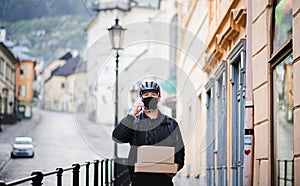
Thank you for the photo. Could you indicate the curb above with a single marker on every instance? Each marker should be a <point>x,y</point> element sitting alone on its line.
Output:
<point>2,164</point>
<point>4,158</point>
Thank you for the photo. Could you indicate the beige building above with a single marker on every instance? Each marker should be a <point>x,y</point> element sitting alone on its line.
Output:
<point>64,90</point>
<point>46,74</point>
<point>275,61</point>
<point>191,94</point>
<point>252,97</point>
<point>7,80</point>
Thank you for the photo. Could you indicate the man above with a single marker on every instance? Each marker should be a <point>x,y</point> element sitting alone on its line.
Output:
<point>146,125</point>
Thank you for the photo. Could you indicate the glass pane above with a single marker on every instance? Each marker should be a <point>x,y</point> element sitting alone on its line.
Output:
<point>283,22</point>
<point>283,117</point>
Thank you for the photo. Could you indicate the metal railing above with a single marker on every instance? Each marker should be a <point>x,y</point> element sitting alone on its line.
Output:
<point>285,172</point>
<point>106,174</point>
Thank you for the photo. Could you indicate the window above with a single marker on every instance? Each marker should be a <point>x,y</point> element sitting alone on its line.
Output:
<point>220,124</point>
<point>283,125</point>
<point>62,85</point>
<point>22,90</point>
<point>237,59</point>
<point>13,76</point>
<point>282,22</point>
<point>22,69</point>
<point>210,170</point>
<point>1,66</point>
<point>8,73</point>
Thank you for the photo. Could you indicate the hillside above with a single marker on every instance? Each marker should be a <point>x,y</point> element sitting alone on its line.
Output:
<point>16,10</point>
<point>35,26</point>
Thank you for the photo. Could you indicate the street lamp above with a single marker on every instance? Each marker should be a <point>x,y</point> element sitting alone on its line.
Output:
<point>116,35</point>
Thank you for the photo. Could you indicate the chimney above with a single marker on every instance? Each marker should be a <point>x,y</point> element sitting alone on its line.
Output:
<point>2,34</point>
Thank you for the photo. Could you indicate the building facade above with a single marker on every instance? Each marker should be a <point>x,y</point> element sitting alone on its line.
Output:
<point>275,55</point>
<point>252,98</point>
<point>7,80</point>
<point>147,54</point>
<point>64,90</point>
<point>193,25</point>
<point>25,75</point>
<point>46,74</point>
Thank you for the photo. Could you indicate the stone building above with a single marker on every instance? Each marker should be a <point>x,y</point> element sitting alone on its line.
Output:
<point>252,98</point>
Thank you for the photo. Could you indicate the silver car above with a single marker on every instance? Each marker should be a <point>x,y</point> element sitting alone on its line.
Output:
<point>23,146</point>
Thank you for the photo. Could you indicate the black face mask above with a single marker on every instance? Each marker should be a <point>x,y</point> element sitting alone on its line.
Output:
<point>150,102</point>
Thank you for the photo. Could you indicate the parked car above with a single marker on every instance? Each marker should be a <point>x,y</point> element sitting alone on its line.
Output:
<point>22,147</point>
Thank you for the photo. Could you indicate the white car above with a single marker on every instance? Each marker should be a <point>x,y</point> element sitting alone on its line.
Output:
<point>23,146</point>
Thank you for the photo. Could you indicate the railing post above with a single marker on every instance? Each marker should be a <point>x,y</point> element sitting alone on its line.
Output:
<point>59,176</point>
<point>293,172</point>
<point>111,172</point>
<point>285,172</point>
<point>2,183</point>
<point>106,172</point>
<point>102,172</point>
<point>87,174</point>
<point>37,180</point>
<point>96,172</point>
<point>76,174</point>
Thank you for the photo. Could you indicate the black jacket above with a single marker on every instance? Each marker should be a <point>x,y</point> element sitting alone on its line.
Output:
<point>162,131</point>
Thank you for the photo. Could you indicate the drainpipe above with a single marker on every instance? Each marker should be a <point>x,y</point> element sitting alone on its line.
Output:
<point>249,108</point>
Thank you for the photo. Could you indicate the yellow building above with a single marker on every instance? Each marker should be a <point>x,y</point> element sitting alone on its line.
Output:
<point>64,89</point>
<point>252,98</point>
<point>191,95</point>
<point>46,74</point>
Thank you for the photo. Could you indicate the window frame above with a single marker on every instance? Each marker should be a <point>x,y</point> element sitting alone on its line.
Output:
<point>221,146</point>
<point>274,61</point>
<point>210,164</point>
<point>22,70</point>
<point>274,52</point>
<point>237,56</point>
<point>276,57</point>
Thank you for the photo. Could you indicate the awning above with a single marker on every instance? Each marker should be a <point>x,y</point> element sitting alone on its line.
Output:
<point>169,85</point>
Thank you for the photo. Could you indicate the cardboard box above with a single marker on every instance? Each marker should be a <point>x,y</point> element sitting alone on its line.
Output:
<point>155,154</point>
<point>156,167</point>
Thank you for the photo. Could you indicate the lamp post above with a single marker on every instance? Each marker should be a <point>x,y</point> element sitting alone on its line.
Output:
<point>116,35</point>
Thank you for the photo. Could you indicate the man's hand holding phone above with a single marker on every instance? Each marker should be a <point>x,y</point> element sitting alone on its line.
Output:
<point>137,107</point>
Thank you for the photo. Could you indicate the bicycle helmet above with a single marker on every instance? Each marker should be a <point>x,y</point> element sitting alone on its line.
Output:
<point>149,86</point>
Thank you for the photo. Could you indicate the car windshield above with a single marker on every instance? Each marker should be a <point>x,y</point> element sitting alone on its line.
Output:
<point>22,142</point>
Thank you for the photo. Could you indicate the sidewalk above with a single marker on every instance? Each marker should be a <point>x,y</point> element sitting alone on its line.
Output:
<point>4,154</point>
<point>180,180</point>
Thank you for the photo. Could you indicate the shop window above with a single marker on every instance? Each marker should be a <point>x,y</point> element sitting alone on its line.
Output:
<point>282,22</point>
<point>283,125</point>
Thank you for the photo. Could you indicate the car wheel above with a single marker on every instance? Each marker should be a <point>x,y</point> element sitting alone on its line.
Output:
<point>12,155</point>
<point>32,155</point>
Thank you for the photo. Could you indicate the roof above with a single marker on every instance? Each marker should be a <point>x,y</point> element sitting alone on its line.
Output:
<point>169,85</point>
<point>22,53</point>
<point>72,66</point>
<point>6,49</point>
